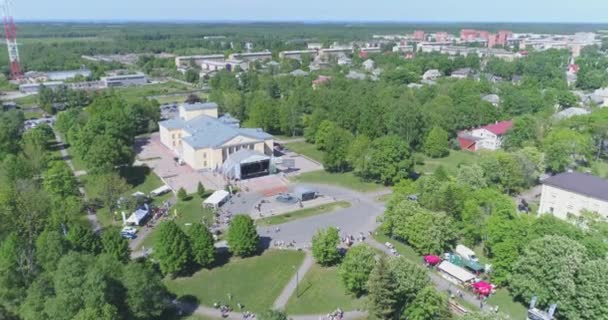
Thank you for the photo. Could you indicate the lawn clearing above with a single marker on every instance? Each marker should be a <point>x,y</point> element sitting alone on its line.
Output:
<point>307,149</point>
<point>321,292</point>
<point>303,213</point>
<point>449,163</point>
<point>403,248</point>
<point>503,299</point>
<point>188,212</point>
<point>131,94</point>
<point>345,180</point>
<point>254,282</point>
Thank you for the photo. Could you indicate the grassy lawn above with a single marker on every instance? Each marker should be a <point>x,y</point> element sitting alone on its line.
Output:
<point>303,213</point>
<point>502,298</point>
<point>449,163</point>
<point>403,248</point>
<point>136,93</point>
<point>27,101</point>
<point>345,180</point>
<point>180,98</point>
<point>321,292</point>
<point>254,282</point>
<point>307,149</point>
<point>188,212</point>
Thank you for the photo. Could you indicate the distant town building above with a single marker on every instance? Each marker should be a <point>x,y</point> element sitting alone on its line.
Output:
<point>432,74</point>
<point>571,112</point>
<point>568,194</point>
<point>419,35</point>
<point>185,61</point>
<point>488,137</point>
<point>251,56</point>
<point>136,79</point>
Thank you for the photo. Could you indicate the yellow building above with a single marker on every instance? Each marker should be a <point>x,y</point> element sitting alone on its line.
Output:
<point>205,141</point>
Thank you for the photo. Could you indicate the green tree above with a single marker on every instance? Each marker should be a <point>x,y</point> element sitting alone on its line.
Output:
<point>336,150</point>
<point>201,241</point>
<point>111,188</point>
<point>59,180</point>
<point>429,304</point>
<point>50,247</point>
<point>526,130</point>
<point>69,283</point>
<point>356,150</point>
<point>273,315</point>
<point>436,144</point>
<point>429,232</point>
<point>182,194</point>
<point>172,250</point>
<point>356,267</point>
<point>563,147</point>
<point>115,245</point>
<point>83,239</point>
<point>192,76</point>
<point>381,287</point>
<point>146,295</point>
<point>547,269</point>
<point>410,279</point>
<point>200,190</point>
<point>32,307</point>
<point>325,246</point>
<point>388,160</point>
<point>323,133</point>
<point>471,176</point>
<point>242,237</point>
<point>13,284</point>
<point>592,287</point>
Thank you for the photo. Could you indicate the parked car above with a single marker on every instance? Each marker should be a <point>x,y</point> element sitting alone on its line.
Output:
<point>131,230</point>
<point>128,235</point>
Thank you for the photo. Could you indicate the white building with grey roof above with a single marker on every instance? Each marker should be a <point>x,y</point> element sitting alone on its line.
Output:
<point>568,194</point>
<point>205,141</point>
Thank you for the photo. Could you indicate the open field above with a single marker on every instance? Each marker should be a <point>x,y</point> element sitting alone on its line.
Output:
<point>307,149</point>
<point>345,180</point>
<point>304,213</point>
<point>254,282</point>
<point>188,212</point>
<point>321,292</point>
<point>449,163</point>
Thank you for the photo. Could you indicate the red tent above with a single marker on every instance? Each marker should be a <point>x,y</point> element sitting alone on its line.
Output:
<point>432,260</point>
<point>483,288</point>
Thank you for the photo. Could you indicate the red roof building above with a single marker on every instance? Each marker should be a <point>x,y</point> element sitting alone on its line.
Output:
<point>488,137</point>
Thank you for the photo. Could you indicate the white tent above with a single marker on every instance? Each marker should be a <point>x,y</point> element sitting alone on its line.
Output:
<point>161,190</point>
<point>139,214</point>
<point>455,273</point>
<point>216,199</point>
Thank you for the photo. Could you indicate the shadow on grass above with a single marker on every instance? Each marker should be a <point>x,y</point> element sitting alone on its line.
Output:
<point>136,175</point>
<point>181,307</point>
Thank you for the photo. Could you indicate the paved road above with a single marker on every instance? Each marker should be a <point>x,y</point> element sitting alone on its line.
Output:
<point>66,157</point>
<point>291,287</point>
<point>360,217</point>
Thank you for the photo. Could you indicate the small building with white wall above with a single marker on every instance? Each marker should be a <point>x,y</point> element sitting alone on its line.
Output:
<point>567,194</point>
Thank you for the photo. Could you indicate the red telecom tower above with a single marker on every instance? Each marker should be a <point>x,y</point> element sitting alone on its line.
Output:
<point>10,32</point>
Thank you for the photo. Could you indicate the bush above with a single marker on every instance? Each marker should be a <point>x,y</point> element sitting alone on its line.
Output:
<point>182,194</point>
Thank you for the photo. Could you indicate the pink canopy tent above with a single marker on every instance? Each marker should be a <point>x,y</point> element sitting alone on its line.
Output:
<point>432,260</point>
<point>482,287</point>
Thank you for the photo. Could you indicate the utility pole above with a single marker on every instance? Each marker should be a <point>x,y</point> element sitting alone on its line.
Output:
<point>10,32</point>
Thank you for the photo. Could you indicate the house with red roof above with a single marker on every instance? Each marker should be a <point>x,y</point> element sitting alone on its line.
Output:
<point>488,137</point>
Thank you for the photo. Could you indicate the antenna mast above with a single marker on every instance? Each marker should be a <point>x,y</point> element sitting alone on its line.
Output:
<point>10,32</point>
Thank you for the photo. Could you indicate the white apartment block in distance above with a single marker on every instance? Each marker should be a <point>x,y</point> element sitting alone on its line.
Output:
<point>568,194</point>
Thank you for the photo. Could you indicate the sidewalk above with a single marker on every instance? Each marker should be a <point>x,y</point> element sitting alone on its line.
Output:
<point>291,287</point>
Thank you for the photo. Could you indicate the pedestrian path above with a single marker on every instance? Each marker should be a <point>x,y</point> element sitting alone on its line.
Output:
<point>92,218</point>
<point>291,287</point>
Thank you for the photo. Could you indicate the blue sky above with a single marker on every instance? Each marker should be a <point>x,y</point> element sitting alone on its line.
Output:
<point>301,10</point>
